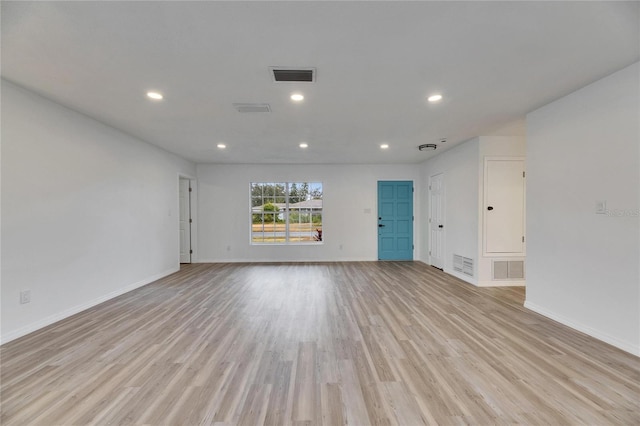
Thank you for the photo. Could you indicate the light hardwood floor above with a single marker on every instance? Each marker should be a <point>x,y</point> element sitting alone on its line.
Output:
<point>308,344</point>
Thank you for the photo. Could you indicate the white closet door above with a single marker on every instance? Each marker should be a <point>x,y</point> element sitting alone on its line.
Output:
<point>185,219</point>
<point>436,221</point>
<point>504,206</point>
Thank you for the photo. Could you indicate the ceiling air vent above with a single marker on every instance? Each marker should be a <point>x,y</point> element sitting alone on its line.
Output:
<point>293,75</point>
<point>252,107</point>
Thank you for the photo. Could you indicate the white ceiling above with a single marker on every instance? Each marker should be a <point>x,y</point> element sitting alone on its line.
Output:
<point>376,63</point>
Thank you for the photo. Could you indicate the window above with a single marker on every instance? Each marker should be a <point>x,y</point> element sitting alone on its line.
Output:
<point>286,213</point>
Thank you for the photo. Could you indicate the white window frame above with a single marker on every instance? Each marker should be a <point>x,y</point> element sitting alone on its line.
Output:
<point>286,212</point>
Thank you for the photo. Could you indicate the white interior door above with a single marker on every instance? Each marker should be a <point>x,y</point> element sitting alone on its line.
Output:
<point>504,207</point>
<point>436,221</point>
<point>185,221</point>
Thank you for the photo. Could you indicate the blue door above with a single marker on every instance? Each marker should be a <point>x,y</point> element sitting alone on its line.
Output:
<point>395,220</point>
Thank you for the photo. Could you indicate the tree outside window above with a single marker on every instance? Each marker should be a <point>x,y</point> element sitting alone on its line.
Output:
<point>286,213</point>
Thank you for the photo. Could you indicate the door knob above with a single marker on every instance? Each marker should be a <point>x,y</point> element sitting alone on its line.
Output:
<point>490,208</point>
<point>440,226</point>
<point>380,225</point>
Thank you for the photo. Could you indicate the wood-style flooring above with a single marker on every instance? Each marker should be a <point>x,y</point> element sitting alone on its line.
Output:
<point>370,343</point>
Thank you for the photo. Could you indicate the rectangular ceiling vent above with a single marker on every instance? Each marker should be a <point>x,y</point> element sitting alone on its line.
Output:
<point>508,269</point>
<point>463,265</point>
<point>293,75</point>
<point>252,107</point>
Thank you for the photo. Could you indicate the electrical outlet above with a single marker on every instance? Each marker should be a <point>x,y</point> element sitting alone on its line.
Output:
<point>25,296</point>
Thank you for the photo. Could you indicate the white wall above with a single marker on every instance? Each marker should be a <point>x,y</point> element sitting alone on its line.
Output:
<point>583,267</point>
<point>87,212</point>
<point>349,216</point>
<point>461,170</point>
<point>516,128</point>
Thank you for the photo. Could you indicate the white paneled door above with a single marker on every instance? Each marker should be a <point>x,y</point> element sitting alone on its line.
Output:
<point>185,221</point>
<point>436,221</point>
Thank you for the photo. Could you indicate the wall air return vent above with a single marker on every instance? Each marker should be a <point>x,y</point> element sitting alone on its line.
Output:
<point>252,107</point>
<point>508,269</point>
<point>463,265</point>
<point>293,75</point>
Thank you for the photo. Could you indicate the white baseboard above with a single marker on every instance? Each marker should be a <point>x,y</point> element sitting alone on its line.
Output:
<point>502,283</point>
<point>30,328</point>
<point>347,259</point>
<point>614,341</point>
<point>463,277</point>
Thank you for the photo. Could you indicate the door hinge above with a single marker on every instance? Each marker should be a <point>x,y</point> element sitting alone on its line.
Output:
<point>523,173</point>
<point>413,247</point>
<point>413,218</point>
<point>190,220</point>
<point>190,251</point>
<point>523,238</point>
<point>429,252</point>
<point>429,187</point>
<point>429,220</point>
<point>189,189</point>
<point>413,189</point>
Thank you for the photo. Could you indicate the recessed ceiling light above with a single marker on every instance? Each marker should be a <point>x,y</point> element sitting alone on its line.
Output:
<point>304,145</point>
<point>155,95</point>
<point>434,98</point>
<point>221,146</point>
<point>297,97</point>
<point>384,146</point>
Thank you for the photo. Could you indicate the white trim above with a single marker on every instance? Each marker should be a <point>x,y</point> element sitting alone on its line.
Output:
<point>502,283</point>
<point>309,260</point>
<point>461,276</point>
<point>454,274</point>
<point>286,212</point>
<point>590,331</point>
<point>30,328</point>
